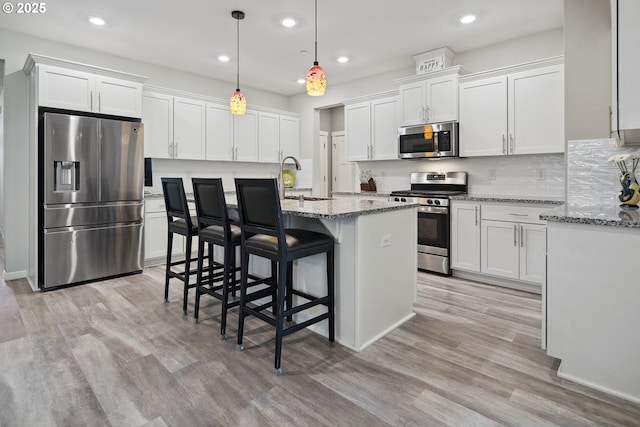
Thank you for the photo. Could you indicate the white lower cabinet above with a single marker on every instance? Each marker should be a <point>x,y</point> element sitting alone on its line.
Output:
<point>502,240</point>
<point>465,236</point>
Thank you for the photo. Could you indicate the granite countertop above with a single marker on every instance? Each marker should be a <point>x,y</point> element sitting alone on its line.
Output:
<point>610,215</point>
<point>507,199</point>
<point>360,193</point>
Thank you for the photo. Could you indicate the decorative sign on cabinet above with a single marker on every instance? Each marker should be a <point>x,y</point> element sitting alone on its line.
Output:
<point>515,110</point>
<point>371,129</point>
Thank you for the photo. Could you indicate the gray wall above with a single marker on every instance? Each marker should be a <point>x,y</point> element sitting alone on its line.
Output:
<point>587,47</point>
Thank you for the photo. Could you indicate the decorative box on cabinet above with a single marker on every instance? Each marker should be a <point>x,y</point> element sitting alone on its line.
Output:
<point>430,98</point>
<point>79,87</point>
<point>371,129</point>
<point>515,110</point>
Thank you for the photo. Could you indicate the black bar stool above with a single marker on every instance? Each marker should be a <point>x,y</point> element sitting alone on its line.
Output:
<point>261,213</point>
<point>215,228</point>
<point>179,222</point>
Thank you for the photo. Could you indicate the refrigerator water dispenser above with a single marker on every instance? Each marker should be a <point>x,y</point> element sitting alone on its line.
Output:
<point>66,176</point>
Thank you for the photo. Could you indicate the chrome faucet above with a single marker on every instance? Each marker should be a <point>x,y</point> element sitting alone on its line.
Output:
<point>281,183</point>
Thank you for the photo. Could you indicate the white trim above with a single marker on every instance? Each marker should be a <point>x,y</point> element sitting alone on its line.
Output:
<point>14,275</point>
<point>34,58</point>
<point>554,60</point>
<point>596,386</point>
<point>497,281</point>
<point>456,69</point>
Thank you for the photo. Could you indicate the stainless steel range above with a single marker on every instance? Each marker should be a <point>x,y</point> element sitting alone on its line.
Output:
<point>432,191</point>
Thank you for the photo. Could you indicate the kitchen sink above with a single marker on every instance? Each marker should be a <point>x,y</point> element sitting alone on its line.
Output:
<point>308,198</point>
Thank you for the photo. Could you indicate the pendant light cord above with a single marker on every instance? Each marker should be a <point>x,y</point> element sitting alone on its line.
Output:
<point>237,54</point>
<point>316,33</point>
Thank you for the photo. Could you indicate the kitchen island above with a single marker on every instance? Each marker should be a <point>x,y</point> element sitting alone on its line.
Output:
<point>375,263</point>
<point>593,296</point>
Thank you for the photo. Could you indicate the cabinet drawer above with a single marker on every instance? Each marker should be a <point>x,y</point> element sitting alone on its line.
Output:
<point>154,205</point>
<point>514,213</point>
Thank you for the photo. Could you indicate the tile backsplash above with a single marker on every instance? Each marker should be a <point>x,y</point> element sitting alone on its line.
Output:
<point>591,178</point>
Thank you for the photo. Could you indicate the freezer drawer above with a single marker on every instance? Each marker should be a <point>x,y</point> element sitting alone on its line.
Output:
<point>79,254</point>
<point>71,215</point>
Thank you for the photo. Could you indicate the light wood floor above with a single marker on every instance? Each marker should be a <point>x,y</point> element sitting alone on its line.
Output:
<point>112,353</point>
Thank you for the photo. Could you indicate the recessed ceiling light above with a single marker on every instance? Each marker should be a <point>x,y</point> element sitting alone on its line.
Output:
<point>289,22</point>
<point>468,19</point>
<point>301,81</point>
<point>343,59</point>
<point>223,58</point>
<point>96,20</point>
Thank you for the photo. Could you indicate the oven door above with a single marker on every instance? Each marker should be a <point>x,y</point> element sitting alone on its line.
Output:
<point>433,239</point>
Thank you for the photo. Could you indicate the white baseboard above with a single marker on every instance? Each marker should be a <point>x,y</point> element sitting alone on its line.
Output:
<point>590,384</point>
<point>14,275</point>
<point>497,281</point>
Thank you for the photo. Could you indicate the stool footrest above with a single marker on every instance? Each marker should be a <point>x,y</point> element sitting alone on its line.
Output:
<point>294,328</point>
<point>305,306</point>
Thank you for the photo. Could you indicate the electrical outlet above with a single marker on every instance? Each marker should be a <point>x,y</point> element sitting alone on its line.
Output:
<point>492,174</point>
<point>540,175</point>
<point>386,240</point>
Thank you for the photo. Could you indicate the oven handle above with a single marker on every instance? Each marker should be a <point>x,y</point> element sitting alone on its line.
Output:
<point>433,210</point>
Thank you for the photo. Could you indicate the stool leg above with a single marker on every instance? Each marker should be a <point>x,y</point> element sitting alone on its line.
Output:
<point>282,284</point>
<point>274,287</point>
<point>168,269</point>
<point>210,266</point>
<point>226,283</point>
<point>289,294</point>
<point>244,268</point>
<point>199,279</point>
<point>187,269</point>
<point>331,293</point>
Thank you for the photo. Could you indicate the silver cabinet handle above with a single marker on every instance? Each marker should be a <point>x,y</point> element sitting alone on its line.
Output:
<point>518,214</point>
<point>236,156</point>
<point>512,145</point>
<point>372,151</point>
<point>99,103</point>
<point>368,149</point>
<point>515,235</point>
<point>476,214</point>
<point>504,144</point>
<point>91,100</point>
<point>427,115</point>
<point>521,235</point>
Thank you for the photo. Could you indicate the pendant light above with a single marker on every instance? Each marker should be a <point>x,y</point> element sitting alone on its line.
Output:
<point>238,102</point>
<point>316,80</point>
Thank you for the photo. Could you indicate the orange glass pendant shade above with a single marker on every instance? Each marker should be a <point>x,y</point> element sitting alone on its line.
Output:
<point>238,103</point>
<point>316,80</point>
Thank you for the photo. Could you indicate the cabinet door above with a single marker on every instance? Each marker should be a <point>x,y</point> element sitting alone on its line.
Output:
<point>188,128</point>
<point>384,129</point>
<point>245,137</point>
<point>341,169</point>
<point>465,236</point>
<point>412,103</point>
<point>157,117</point>
<point>442,99</point>
<point>289,137</point>
<point>533,253</point>
<point>67,89</point>
<point>357,123</point>
<point>499,254</point>
<point>483,117</point>
<point>155,237</point>
<point>119,97</point>
<point>628,63</point>
<point>536,111</point>
<point>268,138</point>
<point>219,132</point>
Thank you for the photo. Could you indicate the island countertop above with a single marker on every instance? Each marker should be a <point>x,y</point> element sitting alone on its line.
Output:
<point>610,215</point>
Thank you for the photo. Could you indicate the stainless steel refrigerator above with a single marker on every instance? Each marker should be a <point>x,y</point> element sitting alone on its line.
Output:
<point>90,189</point>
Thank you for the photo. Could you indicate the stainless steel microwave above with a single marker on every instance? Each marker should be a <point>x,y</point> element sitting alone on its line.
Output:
<point>436,140</point>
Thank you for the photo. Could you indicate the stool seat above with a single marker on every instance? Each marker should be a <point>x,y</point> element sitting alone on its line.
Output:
<point>180,226</point>
<point>216,232</point>
<point>296,240</point>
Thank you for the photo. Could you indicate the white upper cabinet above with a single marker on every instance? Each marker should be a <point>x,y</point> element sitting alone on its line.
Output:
<point>371,129</point>
<point>517,112</point>
<point>625,15</point>
<point>269,137</point>
<point>245,137</point>
<point>174,127</point>
<point>289,137</point>
<point>188,129</point>
<point>430,100</point>
<point>158,125</point>
<point>219,134</point>
<point>76,90</point>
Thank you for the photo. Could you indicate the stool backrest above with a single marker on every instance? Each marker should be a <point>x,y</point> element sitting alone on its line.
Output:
<point>175,199</point>
<point>211,207</point>
<point>259,206</point>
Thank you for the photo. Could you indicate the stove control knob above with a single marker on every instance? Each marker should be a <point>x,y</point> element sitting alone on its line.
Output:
<point>429,201</point>
<point>397,199</point>
<point>437,202</point>
<point>403,199</point>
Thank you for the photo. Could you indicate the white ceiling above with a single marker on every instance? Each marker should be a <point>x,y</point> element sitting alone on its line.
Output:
<point>378,36</point>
